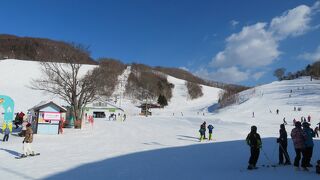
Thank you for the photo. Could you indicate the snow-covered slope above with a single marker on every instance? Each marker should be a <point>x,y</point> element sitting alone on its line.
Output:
<point>265,100</point>
<point>15,80</point>
<point>163,146</point>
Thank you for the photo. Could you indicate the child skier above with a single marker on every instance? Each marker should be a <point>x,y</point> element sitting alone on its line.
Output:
<point>210,127</point>
<point>254,141</point>
<point>6,134</point>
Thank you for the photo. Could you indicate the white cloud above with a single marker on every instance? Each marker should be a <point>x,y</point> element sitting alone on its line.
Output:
<point>250,48</point>
<point>234,23</point>
<point>314,56</point>
<point>229,75</point>
<point>257,46</point>
<point>292,23</point>
<point>256,76</point>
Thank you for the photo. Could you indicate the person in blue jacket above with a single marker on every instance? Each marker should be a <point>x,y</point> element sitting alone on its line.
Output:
<point>6,134</point>
<point>210,127</point>
<point>308,143</point>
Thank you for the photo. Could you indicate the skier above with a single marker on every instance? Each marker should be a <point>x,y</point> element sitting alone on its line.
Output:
<point>308,143</point>
<point>28,139</point>
<point>210,127</point>
<point>6,133</point>
<point>203,127</point>
<point>309,118</point>
<point>202,133</point>
<point>298,138</point>
<point>254,141</point>
<point>316,131</point>
<point>283,144</point>
<point>277,111</point>
<point>294,121</point>
<point>252,114</point>
<point>284,121</point>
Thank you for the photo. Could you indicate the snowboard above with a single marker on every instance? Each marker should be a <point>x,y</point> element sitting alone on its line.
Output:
<point>22,157</point>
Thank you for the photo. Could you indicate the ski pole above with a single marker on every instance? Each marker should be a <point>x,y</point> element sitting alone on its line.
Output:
<point>285,152</point>
<point>268,159</point>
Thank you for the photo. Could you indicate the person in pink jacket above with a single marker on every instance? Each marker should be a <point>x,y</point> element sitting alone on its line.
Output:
<point>299,138</point>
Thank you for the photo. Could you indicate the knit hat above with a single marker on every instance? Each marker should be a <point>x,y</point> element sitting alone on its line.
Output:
<point>253,128</point>
<point>298,124</point>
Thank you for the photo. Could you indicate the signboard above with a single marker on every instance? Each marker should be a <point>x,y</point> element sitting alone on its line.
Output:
<point>52,116</point>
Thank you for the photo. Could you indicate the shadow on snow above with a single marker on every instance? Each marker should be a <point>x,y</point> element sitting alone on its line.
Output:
<point>227,160</point>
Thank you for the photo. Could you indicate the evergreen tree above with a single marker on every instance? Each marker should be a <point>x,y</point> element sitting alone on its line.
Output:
<point>162,100</point>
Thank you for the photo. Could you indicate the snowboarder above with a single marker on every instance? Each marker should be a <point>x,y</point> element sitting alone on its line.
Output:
<point>298,138</point>
<point>6,133</point>
<point>308,143</point>
<point>283,144</point>
<point>254,141</point>
<point>28,139</point>
<point>210,127</point>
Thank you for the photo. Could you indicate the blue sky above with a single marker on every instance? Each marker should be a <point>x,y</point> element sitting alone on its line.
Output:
<point>233,41</point>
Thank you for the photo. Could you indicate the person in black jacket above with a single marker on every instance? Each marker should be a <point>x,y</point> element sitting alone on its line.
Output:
<point>254,141</point>
<point>283,144</point>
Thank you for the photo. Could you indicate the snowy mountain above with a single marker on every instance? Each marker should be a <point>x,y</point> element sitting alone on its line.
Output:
<point>165,145</point>
<point>17,75</point>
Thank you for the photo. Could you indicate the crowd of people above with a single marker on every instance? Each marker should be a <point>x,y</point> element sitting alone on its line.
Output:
<point>302,136</point>
<point>26,132</point>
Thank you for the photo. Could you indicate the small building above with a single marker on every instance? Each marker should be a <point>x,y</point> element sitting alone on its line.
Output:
<point>145,108</point>
<point>101,110</point>
<point>46,117</point>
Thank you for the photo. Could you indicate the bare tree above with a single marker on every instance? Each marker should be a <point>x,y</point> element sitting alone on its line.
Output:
<point>65,81</point>
<point>279,73</point>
